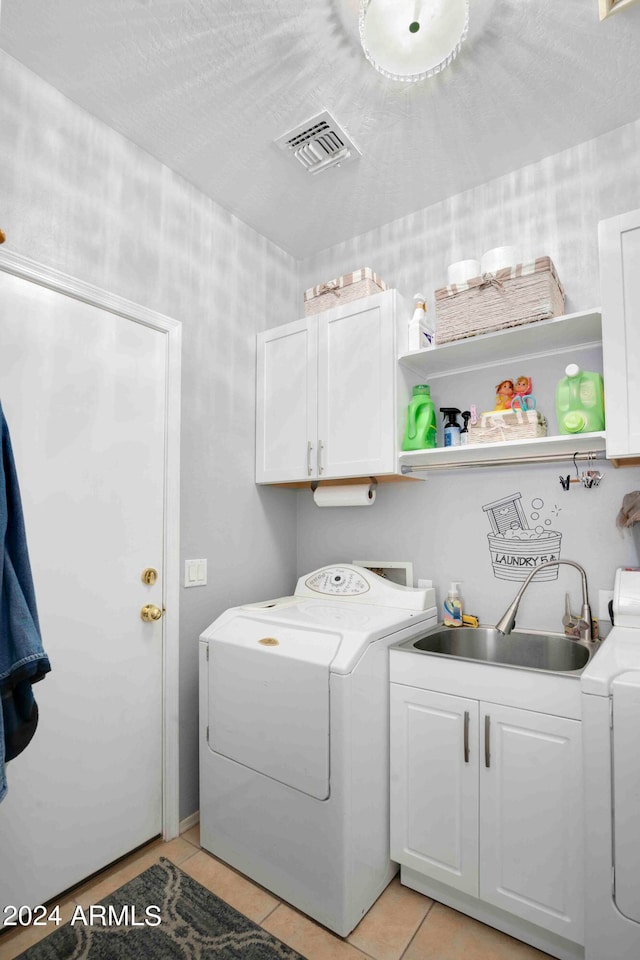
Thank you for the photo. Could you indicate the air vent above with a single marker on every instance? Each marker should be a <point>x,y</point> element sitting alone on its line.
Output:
<point>319,144</point>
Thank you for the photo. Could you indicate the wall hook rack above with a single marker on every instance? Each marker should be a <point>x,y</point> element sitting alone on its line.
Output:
<point>589,478</point>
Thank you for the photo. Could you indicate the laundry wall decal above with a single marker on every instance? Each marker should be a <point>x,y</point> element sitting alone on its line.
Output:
<point>517,548</point>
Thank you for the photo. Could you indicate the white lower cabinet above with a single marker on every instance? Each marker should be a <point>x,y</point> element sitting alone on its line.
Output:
<point>487,799</point>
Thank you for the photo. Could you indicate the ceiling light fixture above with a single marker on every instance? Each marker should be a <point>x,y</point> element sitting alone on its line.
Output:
<point>412,39</point>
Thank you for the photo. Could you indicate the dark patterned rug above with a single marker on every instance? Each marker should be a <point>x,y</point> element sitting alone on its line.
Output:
<point>161,915</point>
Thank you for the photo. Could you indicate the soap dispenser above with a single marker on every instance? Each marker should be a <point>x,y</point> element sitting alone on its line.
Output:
<point>453,606</point>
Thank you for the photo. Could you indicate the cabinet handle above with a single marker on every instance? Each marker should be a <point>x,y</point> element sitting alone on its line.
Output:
<point>320,449</point>
<point>487,741</point>
<point>466,736</point>
<point>309,449</point>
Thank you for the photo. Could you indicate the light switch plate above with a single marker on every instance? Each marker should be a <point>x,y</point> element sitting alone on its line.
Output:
<point>195,573</point>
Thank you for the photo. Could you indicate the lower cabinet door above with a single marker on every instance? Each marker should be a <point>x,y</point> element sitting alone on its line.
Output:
<point>434,785</point>
<point>531,817</point>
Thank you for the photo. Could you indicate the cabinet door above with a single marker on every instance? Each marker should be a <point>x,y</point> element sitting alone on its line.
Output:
<point>356,388</point>
<point>286,402</point>
<point>619,240</point>
<point>434,785</point>
<point>531,817</point>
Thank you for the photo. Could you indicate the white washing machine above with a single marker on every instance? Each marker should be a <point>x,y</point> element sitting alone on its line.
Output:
<point>294,738</point>
<point>611,738</point>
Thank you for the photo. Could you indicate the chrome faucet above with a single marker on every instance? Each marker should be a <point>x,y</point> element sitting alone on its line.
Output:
<point>507,621</point>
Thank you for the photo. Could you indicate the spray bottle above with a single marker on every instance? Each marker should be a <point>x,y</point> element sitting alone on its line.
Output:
<point>451,426</point>
<point>453,606</point>
<point>464,433</point>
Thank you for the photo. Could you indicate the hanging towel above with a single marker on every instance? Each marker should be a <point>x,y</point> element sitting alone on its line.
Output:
<point>22,658</point>
<point>630,510</point>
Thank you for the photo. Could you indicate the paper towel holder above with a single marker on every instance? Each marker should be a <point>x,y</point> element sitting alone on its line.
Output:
<point>372,480</point>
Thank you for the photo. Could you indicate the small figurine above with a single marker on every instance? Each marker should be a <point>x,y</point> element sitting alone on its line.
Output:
<point>504,395</point>
<point>523,386</point>
<point>522,398</point>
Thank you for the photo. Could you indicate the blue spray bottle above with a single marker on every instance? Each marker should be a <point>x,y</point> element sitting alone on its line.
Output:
<point>451,426</point>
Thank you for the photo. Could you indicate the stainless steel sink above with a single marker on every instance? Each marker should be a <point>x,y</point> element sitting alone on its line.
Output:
<point>530,650</point>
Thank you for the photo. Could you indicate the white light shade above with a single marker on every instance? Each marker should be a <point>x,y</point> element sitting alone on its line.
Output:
<point>412,39</point>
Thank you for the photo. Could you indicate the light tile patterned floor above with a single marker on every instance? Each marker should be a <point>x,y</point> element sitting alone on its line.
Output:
<point>401,925</point>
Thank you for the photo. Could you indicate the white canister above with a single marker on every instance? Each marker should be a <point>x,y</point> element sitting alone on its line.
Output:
<point>462,271</point>
<point>498,259</point>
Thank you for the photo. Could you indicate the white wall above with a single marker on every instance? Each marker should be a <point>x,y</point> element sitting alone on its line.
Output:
<point>548,208</point>
<point>82,199</point>
<point>78,197</point>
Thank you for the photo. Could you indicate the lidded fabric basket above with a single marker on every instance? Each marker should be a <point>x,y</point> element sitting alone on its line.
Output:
<point>496,426</point>
<point>496,301</point>
<point>345,289</point>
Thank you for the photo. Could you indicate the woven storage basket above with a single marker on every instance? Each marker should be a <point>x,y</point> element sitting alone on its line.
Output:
<point>500,425</point>
<point>511,297</point>
<point>352,286</point>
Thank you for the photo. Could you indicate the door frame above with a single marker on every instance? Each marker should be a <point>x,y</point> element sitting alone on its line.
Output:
<point>30,270</point>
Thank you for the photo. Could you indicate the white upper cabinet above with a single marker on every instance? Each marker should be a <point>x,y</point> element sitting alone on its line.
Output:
<point>326,394</point>
<point>286,396</point>
<point>619,240</point>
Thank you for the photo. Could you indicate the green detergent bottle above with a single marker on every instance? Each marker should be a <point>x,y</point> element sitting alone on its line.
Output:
<point>580,401</point>
<point>420,433</point>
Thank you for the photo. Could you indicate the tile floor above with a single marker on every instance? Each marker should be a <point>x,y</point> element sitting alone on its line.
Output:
<point>401,925</point>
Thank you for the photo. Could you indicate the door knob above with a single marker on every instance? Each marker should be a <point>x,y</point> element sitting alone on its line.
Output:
<point>150,613</point>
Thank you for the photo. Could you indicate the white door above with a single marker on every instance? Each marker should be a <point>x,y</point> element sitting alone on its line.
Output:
<point>286,403</point>
<point>84,394</point>
<point>356,370</point>
<point>531,817</point>
<point>434,785</point>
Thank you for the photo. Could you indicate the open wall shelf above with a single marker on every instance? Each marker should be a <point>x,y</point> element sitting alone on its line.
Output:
<point>540,339</point>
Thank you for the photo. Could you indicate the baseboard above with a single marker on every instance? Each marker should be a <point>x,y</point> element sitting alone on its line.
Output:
<point>189,822</point>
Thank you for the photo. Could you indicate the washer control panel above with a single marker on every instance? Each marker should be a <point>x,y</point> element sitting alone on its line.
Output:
<point>349,583</point>
<point>337,582</point>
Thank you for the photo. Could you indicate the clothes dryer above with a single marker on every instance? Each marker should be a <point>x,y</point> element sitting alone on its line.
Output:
<point>294,741</point>
<point>611,722</point>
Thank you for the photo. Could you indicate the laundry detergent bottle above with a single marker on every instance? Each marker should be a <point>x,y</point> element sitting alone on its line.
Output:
<point>420,433</point>
<point>580,401</point>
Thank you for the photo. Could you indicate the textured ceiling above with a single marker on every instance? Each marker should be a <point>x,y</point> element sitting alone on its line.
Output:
<point>206,86</point>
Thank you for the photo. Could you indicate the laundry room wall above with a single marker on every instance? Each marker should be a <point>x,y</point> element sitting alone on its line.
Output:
<point>547,208</point>
<point>78,197</point>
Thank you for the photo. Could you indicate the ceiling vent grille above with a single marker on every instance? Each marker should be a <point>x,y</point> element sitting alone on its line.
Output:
<point>318,144</point>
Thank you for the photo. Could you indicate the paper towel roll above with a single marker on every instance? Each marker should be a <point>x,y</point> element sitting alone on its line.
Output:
<point>462,271</point>
<point>345,495</point>
<point>498,259</point>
